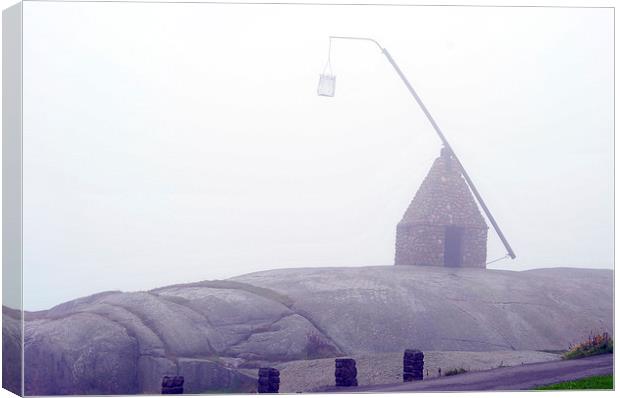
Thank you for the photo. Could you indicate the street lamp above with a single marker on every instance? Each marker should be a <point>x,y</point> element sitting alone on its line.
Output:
<point>327,80</point>
<point>327,86</point>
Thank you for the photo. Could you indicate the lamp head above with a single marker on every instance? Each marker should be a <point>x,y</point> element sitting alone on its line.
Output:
<point>327,85</point>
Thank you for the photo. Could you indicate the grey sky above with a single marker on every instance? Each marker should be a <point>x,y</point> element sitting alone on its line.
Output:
<point>167,143</point>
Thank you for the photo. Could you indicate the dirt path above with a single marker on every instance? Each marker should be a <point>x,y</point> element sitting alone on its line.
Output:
<point>523,377</point>
<point>386,368</point>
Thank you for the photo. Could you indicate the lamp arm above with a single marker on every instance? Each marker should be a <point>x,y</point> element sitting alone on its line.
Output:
<point>358,38</point>
<point>447,145</point>
<point>445,142</point>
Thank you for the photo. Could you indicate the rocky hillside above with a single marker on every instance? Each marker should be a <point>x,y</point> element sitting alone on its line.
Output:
<point>215,333</point>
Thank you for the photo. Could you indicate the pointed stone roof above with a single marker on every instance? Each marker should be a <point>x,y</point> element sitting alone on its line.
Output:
<point>444,198</point>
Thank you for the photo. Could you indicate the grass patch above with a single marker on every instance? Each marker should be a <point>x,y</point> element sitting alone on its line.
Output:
<point>455,371</point>
<point>596,344</point>
<point>589,383</point>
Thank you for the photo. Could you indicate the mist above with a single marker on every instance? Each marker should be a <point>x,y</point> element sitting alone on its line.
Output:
<point>175,143</point>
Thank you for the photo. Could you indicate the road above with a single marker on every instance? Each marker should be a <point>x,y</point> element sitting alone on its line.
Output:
<point>523,377</point>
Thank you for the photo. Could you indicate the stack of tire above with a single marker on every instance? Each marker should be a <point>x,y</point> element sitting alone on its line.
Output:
<point>413,365</point>
<point>346,372</point>
<point>172,385</point>
<point>268,381</point>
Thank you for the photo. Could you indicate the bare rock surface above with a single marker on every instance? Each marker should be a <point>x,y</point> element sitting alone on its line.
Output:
<point>81,352</point>
<point>116,342</point>
<point>11,350</point>
<point>389,309</point>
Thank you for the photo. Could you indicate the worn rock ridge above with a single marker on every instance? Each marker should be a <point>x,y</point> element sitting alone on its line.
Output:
<point>216,333</point>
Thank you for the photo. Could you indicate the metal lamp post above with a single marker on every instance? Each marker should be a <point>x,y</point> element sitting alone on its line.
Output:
<point>327,88</point>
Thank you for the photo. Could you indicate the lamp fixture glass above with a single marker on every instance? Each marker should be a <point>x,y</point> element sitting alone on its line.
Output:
<point>327,85</point>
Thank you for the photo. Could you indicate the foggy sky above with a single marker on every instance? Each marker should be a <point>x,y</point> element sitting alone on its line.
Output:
<point>169,143</point>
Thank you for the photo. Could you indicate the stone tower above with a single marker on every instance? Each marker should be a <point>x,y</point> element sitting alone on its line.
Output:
<point>443,225</point>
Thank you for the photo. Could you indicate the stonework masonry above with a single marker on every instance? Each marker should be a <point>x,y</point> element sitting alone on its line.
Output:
<point>443,225</point>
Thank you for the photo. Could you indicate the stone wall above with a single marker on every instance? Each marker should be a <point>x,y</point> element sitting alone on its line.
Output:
<point>419,244</point>
<point>443,200</point>
<point>475,247</point>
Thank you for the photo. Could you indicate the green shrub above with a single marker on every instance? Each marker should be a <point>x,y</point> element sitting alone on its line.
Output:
<point>596,344</point>
<point>455,371</point>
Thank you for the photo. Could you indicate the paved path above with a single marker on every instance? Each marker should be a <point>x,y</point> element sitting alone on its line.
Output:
<point>523,377</point>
